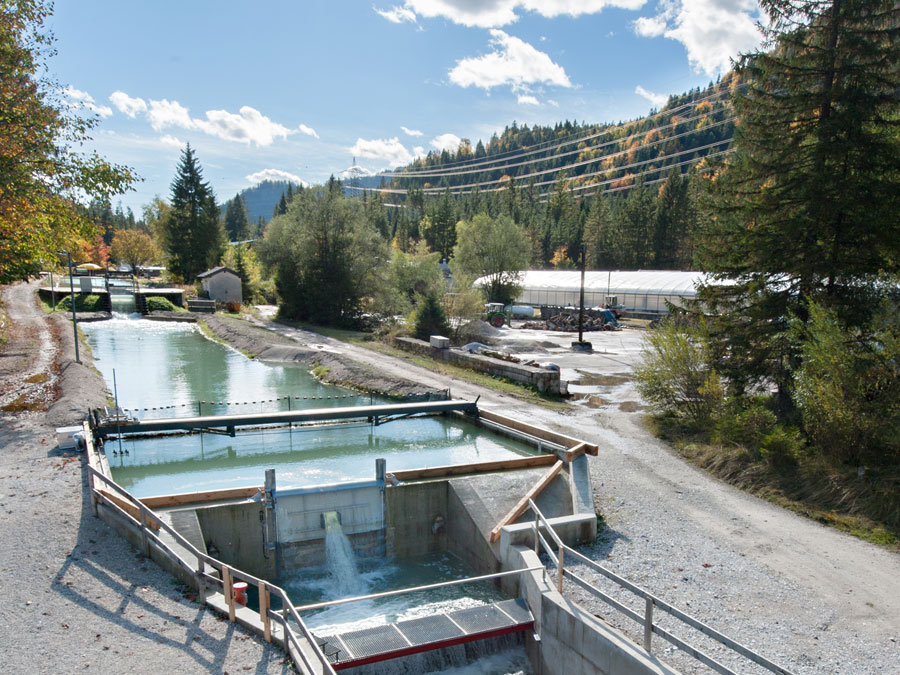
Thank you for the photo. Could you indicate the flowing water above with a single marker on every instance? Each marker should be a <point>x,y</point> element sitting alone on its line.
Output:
<point>339,558</point>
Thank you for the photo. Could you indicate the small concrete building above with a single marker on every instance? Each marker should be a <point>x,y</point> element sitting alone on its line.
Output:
<point>221,284</point>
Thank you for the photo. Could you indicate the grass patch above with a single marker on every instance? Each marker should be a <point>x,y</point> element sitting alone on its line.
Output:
<point>344,334</point>
<point>829,493</point>
<point>38,378</point>
<point>22,404</point>
<point>158,303</point>
<point>520,391</point>
<point>320,372</point>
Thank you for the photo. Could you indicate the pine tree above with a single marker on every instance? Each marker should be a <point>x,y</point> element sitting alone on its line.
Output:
<point>193,235</point>
<point>806,207</point>
<point>237,225</point>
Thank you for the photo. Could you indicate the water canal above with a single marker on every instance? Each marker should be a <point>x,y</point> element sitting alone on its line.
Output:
<point>170,369</point>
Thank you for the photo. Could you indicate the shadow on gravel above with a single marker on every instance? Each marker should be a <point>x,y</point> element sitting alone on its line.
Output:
<point>112,564</point>
<point>605,543</point>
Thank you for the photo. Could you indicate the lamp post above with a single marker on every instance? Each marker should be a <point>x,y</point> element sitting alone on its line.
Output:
<point>72,289</point>
<point>581,345</point>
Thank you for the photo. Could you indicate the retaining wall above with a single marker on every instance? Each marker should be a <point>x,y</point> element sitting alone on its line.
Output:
<point>545,381</point>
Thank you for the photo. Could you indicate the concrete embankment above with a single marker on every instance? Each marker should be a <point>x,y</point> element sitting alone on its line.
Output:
<point>331,367</point>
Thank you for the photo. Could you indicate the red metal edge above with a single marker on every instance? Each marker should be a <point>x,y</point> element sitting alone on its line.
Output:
<point>431,646</point>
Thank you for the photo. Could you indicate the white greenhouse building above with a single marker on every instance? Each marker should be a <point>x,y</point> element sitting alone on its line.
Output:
<point>639,292</point>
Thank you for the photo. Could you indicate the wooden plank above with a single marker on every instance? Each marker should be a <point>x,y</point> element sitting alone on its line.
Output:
<point>577,451</point>
<point>228,590</point>
<point>264,611</point>
<point>480,467</point>
<point>128,508</point>
<point>538,432</point>
<point>519,508</point>
<point>162,501</point>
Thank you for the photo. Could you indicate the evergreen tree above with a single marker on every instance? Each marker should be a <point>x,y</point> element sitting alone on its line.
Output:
<point>192,232</point>
<point>430,318</point>
<point>280,207</point>
<point>805,209</point>
<point>237,225</point>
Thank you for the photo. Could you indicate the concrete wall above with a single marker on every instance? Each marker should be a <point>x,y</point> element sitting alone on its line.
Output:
<point>464,538</point>
<point>573,641</point>
<point>545,381</point>
<point>236,530</point>
<point>410,513</point>
<point>311,552</point>
<point>299,512</point>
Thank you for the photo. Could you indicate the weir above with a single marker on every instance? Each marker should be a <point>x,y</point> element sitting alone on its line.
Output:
<point>377,414</point>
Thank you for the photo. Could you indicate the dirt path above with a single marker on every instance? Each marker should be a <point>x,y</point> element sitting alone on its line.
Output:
<point>78,597</point>
<point>814,599</point>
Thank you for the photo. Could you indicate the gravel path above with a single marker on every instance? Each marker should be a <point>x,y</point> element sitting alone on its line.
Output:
<point>77,597</point>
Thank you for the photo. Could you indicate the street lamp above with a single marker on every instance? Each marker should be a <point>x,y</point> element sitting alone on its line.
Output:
<point>72,289</point>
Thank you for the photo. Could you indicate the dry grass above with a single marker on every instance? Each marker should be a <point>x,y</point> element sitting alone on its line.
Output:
<point>867,507</point>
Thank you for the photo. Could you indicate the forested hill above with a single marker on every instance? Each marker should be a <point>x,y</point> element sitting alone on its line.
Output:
<point>588,156</point>
<point>260,200</point>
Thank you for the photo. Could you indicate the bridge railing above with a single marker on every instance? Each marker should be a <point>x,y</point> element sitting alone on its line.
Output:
<point>147,523</point>
<point>565,554</point>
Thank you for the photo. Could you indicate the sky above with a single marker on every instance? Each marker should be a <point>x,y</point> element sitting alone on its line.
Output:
<point>298,89</point>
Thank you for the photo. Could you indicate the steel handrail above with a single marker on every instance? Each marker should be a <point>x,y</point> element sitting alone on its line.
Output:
<point>148,536</point>
<point>651,601</point>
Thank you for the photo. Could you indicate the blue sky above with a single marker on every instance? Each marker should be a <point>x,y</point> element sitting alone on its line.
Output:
<point>277,88</point>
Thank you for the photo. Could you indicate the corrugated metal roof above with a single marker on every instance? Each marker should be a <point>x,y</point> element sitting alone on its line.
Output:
<point>650,282</point>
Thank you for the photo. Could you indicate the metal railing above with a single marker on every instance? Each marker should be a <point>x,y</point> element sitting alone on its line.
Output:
<point>651,602</point>
<point>147,521</point>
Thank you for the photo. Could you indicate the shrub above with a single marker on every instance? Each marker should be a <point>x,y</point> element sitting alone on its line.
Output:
<point>429,318</point>
<point>83,303</point>
<point>676,374</point>
<point>157,303</point>
<point>745,427</point>
<point>782,446</point>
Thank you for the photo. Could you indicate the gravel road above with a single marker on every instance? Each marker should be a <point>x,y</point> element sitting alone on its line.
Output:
<point>77,596</point>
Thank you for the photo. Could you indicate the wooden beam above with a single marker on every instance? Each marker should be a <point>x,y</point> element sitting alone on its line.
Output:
<point>520,508</point>
<point>162,501</point>
<point>481,467</point>
<point>538,432</point>
<point>128,508</point>
<point>575,452</point>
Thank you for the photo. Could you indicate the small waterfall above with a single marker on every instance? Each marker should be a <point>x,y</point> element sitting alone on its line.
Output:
<point>122,303</point>
<point>340,559</point>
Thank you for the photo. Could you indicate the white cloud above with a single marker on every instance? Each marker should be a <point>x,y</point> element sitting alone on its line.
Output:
<point>410,132</point>
<point>390,150</point>
<point>125,104</point>
<point>493,13</point>
<point>514,62</point>
<point>448,142</point>
<point>275,175</point>
<point>166,113</point>
<point>309,131</point>
<point>650,26</point>
<point>250,126</point>
<point>85,99</point>
<point>527,99</point>
<point>657,100</point>
<point>550,101</point>
<point>418,151</point>
<point>712,31</point>
<point>397,14</point>
<point>171,141</point>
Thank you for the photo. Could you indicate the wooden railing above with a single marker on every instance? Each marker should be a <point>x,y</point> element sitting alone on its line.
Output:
<point>147,524</point>
<point>566,554</point>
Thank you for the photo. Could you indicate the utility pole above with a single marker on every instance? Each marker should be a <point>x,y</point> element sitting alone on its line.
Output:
<point>72,289</point>
<point>581,345</point>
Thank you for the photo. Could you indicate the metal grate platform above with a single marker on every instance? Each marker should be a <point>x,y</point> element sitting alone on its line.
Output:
<point>403,638</point>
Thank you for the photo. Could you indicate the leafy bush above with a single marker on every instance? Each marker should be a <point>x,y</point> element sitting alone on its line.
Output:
<point>848,385</point>
<point>157,303</point>
<point>83,303</point>
<point>782,446</point>
<point>676,374</point>
<point>745,427</point>
<point>429,318</point>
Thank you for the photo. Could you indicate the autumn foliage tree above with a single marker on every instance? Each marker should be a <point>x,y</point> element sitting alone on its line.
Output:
<point>43,174</point>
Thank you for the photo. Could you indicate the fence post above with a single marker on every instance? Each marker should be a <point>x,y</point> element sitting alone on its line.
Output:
<point>562,558</point>
<point>228,589</point>
<point>537,541</point>
<point>264,610</point>
<point>648,623</point>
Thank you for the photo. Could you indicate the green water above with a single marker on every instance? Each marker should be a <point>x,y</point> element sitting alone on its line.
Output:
<point>173,368</point>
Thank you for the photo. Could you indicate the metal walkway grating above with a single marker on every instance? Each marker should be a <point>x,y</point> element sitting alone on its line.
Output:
<point>403,638</point>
